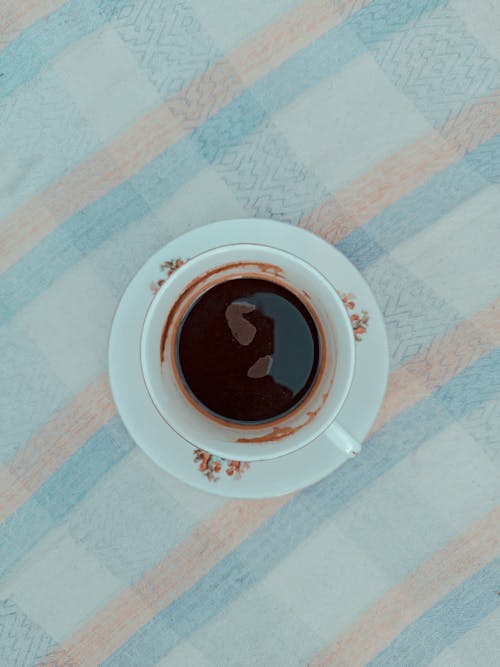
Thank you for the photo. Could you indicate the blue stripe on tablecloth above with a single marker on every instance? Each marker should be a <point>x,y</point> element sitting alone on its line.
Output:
<point>25,56</point>
<point>21,531</point>
<point>308,67</point>
<point>414,212</point>
<point>450,618</point>
<point>295,522</point>
<point>55,499</point>
<point>486,160</point>
<point>106,217</point>
<point>163,176</point>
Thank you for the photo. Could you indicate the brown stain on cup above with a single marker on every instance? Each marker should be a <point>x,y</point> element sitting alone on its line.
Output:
<point>179,309</point>
<point>280,432</point>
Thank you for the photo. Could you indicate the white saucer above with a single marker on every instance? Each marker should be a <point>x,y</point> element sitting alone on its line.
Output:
<point>261,479</point>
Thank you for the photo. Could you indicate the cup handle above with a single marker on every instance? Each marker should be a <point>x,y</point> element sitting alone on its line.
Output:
<point>343,440</point>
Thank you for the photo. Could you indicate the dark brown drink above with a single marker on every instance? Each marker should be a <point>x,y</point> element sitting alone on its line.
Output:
<point>248,350</point>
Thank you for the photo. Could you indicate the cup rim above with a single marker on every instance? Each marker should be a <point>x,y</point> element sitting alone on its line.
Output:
<point>155,302</point>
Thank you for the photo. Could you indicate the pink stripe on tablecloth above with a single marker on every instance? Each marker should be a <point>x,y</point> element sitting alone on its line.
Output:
<point>302,25</point>
<point>17,15</point>
<point>110,627</point>
<point>160,128</point>
<point>59,439</point>
<point>405,170</point>
<point>409,599</point>
<point>442,360</point>
<point>159,587</point>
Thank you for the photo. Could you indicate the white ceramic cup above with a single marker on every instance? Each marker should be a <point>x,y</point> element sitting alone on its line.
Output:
<point>312,417</point>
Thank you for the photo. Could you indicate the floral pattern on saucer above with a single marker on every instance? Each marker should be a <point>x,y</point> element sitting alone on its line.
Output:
<point>168,268</point>
<point>359,321</point>
<point>211,466</point>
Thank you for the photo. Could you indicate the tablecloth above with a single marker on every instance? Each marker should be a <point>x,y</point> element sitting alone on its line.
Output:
<point>373,123</point>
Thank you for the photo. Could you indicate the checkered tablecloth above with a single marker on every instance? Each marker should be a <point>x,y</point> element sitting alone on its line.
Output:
<point>374,123</point>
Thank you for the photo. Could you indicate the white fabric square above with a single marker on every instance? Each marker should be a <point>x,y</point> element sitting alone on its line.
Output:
<point>482,18</point>
<point>106,82</point>
<point>70,322</point>
<point>242,635</point>
<point>350,122</point>
<point>329,604</point>
<point>393,524</point>
<point>185,654</point>
<point>60,584</point>
<point>230,28</point>
<point>457,256</point>
<point>213,201</point>
<point>454,471</point>
<point>129,521</point>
